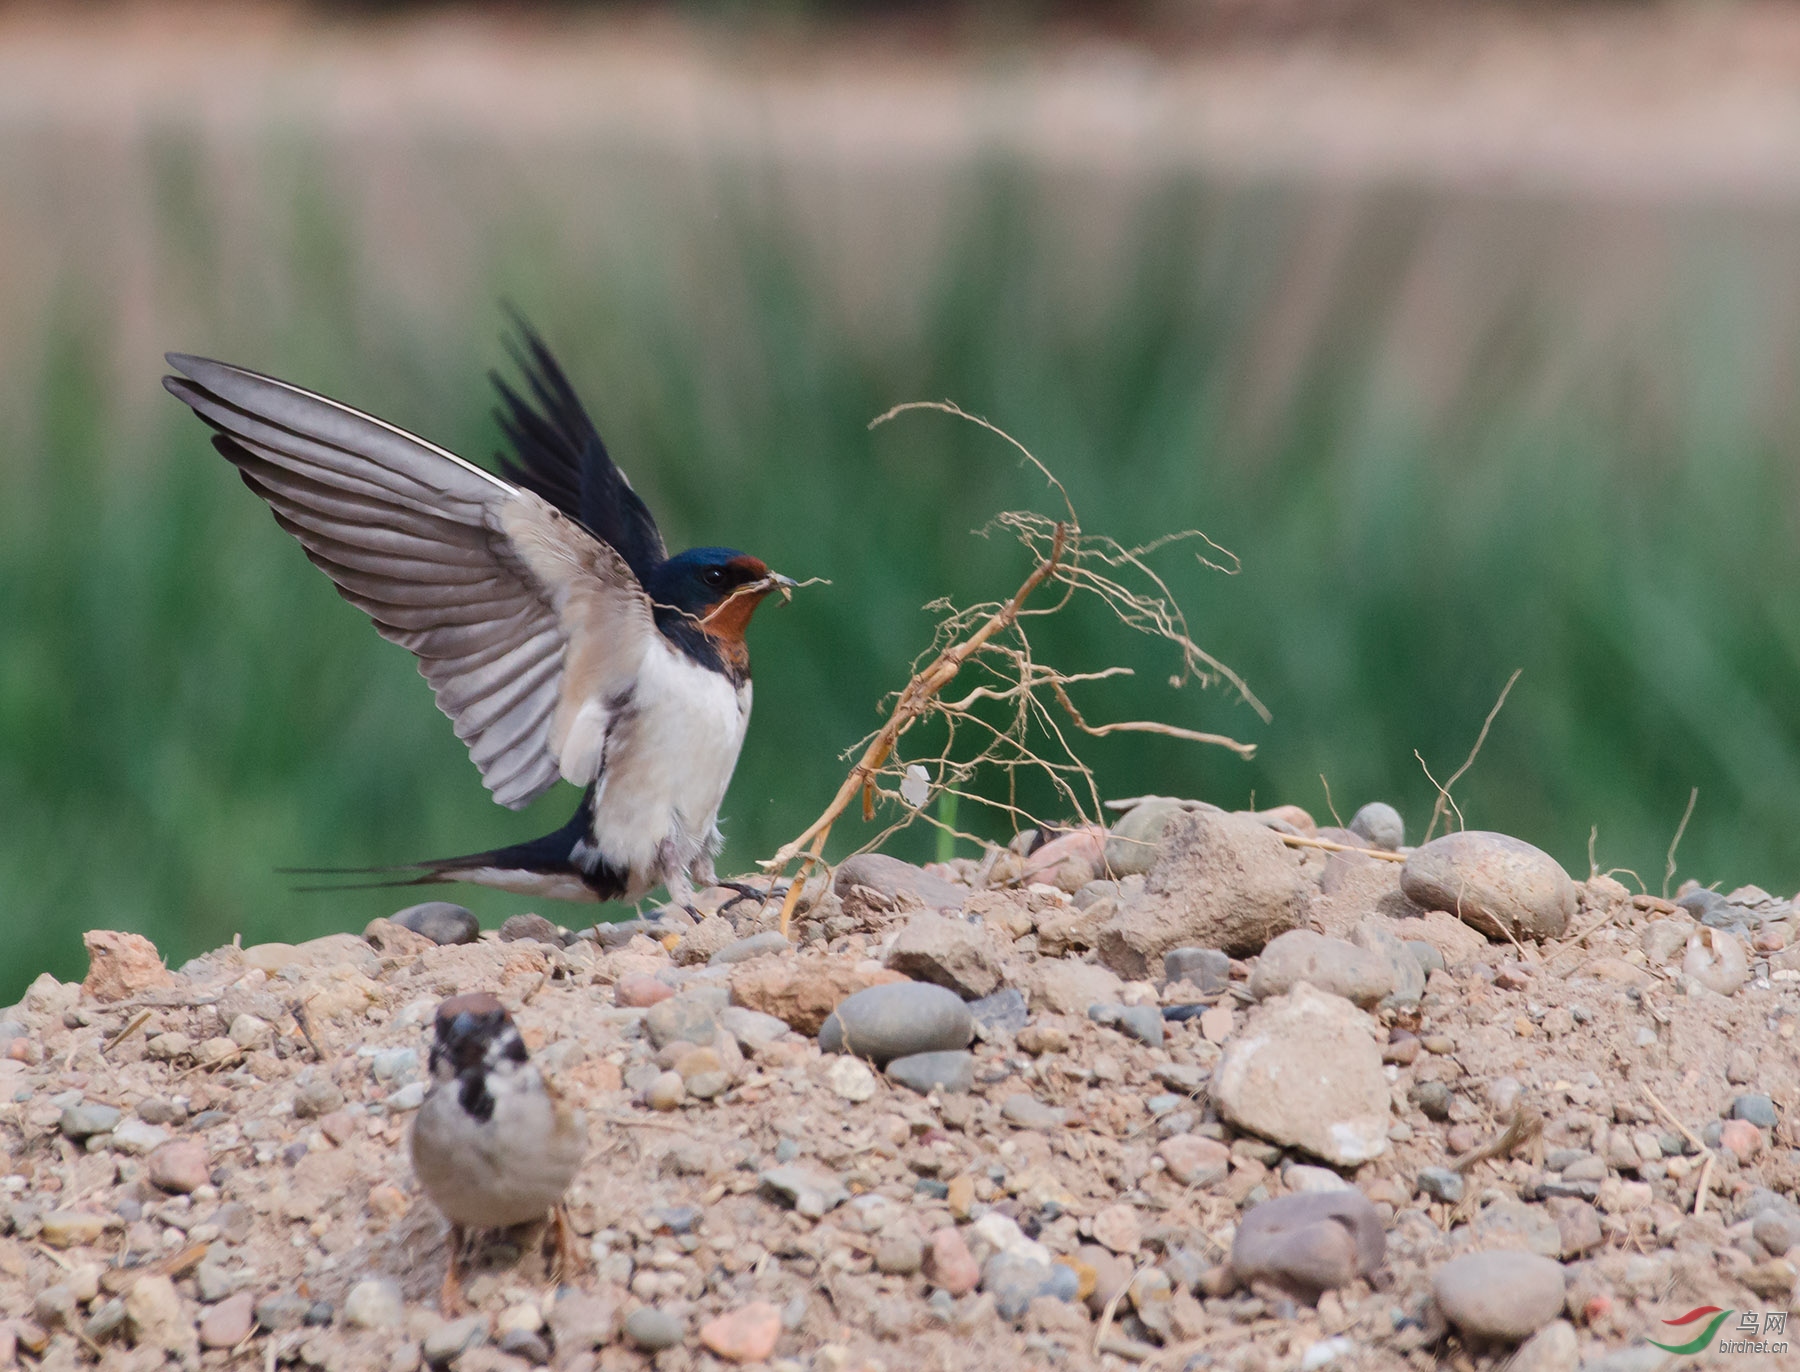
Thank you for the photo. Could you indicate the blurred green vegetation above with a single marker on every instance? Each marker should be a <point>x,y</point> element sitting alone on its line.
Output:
<point>185,705</point>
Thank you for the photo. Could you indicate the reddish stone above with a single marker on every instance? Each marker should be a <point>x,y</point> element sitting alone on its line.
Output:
<point>640,991</point>
<point>121,965</point>
<point>949,1264</point>
<point>228,1323</point>
<point>180,1166</point>
<point>1743,1138</point>
<point>747,1334</point>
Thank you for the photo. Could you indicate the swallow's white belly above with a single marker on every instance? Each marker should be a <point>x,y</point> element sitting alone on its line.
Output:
<point>669,758</point>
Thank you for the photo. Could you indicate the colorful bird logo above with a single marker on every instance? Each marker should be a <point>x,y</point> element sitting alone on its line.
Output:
<point>1699,1312</point>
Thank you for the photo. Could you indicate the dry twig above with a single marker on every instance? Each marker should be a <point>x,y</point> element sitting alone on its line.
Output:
<point>1437,810</point>
<point>1674,843</point>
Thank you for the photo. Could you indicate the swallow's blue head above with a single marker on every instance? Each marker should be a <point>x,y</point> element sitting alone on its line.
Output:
<point>716,589</point>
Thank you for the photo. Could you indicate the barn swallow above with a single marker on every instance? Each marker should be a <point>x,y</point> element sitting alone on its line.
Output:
<point>556,632</point>
<point>493,1145</point>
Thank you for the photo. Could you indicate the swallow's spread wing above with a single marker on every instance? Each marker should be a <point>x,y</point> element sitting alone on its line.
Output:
<point>562,458</point>
<point>529,629</point>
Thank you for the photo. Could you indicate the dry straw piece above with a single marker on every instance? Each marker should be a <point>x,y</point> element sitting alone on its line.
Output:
<point>1020,713</point>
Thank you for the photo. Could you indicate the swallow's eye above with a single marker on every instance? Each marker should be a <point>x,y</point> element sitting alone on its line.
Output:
<point>714,576</point>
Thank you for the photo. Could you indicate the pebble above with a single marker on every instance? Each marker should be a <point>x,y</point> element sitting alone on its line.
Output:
<point>1142,1022</point>
<point>1118,1228</point>
<point>526,1344</point>
<point>1442,1183</point>
<point>1305,1072</point>
<point>81,1122</point>
<point>949,952</point>
<point>948,1264</point>
<point>120,965</point>
<point>640,990</point>
<point>73,1228</point>
<point>1374,936</point>
<point>440,921</point>
<point>1757,1109</point>
<point>1004,1009</point>
<point>666,1092</point>
<point>770,941</point>
<point>280,1312</point>
<point>1664,938</point>
<point>1777,1231</point>
<point>690,1017</point>
<point>891,877</point>
<point>395,1066</point>
<point>1432,1098</point>
<point>899,1254</point>
<point>1194,1160</point>
<point>850,1079</point>
<point>654,1330</point>
<point>1068,987</point>
<point>1014,1280</point>
<point>1206,969</point>
<point>1743,1138</point>
<point>1028,1112</point>
<point>320,1096</point>
<point>1135,842</point>
<point>747,1334</point>
<point>1223,881</point>
<point>1309,1243</point>
<point>928,1072</point>
<point>180,1166</point>
<point>228,1323</point>
<point>1331,965</point>
<point>1554,1348</point>
<point>898,1020</point>
<point>529,928</point>
<point>375,1303</point>
<point>1326,1352</point>
<point>134,1136</point>
<point>451,1338</point>
<point>1716,960</point>
<point>1493,882</point>
<point>1380,826</point>
<point>1504,1296</point>
<point>153,1312</point>
<point>803,1190</point>
<point>1302,1178</point>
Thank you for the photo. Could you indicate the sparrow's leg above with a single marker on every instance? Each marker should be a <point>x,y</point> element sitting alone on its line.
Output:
<point>562,1235</point>
<point>450,1298</point>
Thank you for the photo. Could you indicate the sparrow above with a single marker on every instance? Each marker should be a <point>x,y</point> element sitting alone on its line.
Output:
<point>555,631</point>
<point>493,1145</point>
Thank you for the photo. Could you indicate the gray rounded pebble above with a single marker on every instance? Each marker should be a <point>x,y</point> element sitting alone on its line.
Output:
<point>1503,1296</point>
<point>376,1303</point>
<point>1143,1023</point>
<point>1209,969</point>
<point>653,1330</point>
<point>530,929</point>
<point>1028,1112</point>
<point>84,1121</point>
<point>1757,1109</point>
<point>1005,1009</point>
<point>1442,1183</point>
<point>1310,1241</point>
<point>1379,824</point>
<point>452,1337</point>
<point>319,1096</point>
<point>1429,958</point>
<point>523,1343</point>
<point>1495,883</point>
<point>1014,1281</point>
<point>690,1017</point>
<point>440,921</point>
<point>928,1072</point>
<point>757,945</point>
<point>897,1020</point>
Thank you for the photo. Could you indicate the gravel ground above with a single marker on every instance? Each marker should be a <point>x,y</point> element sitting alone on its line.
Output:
<point>1369,1137</point>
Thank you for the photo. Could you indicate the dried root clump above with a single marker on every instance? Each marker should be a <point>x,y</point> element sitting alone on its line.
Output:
<point>1019,714</point>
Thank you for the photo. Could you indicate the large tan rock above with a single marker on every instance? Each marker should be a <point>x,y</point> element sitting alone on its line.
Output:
<point>1497,884</point>
<point>801,992</point>
<point>948,951</point>
<point>1222,881</point>
<point>120,965</point>
<point>1305,1072</point>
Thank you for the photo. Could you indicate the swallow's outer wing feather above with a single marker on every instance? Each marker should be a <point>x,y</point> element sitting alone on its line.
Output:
<point>561,457</point>
<point>529,630</point>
